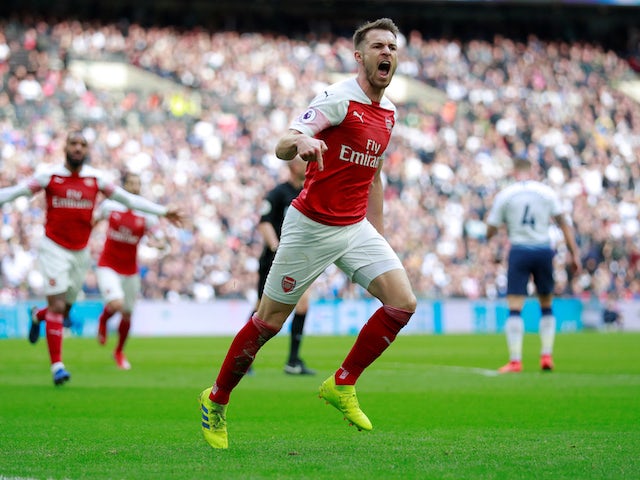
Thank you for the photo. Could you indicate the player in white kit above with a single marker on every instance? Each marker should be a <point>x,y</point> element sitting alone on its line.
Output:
<point>71,192</point>
<point>527,208</point>
<point>336,219</point>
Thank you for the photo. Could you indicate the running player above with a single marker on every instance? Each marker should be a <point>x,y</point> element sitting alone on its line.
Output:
<point>336,219</point>
<point>71,192</point>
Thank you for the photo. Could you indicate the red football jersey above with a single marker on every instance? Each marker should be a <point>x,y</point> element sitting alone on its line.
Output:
<point>70,198</point>
<point>124,232</point>
<point>357,132</point>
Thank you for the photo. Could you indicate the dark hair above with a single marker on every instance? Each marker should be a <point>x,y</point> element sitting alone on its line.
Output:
<point>521,164</point>
<point>380,24</point>
<point>74,134</point>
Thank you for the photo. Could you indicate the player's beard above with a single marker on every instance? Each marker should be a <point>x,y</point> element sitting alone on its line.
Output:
<point>74,162</point>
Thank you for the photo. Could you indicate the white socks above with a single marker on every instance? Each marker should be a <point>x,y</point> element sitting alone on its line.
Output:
<point>56,366</point>
<point>547,334</point>
<point>514,329</point>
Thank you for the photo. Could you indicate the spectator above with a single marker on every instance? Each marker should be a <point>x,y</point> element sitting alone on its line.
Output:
<point>551,101</point>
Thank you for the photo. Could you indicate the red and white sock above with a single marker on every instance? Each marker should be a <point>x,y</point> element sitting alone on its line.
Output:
<point>54,335</point>
<point>106,314</point>
<point>242,351</point>
<point>123,330</point>
<point>41,314</point>
<point>374,338</point>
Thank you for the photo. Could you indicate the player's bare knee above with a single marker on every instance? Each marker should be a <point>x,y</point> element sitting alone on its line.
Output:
<point>116,305</point>
<point>407,303</point>
<point>57,306</point>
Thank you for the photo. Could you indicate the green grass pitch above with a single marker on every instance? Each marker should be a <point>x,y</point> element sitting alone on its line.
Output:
<point>438,410</point>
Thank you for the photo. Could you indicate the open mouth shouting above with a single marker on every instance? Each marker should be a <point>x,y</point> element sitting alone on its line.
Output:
<point>384,68</point>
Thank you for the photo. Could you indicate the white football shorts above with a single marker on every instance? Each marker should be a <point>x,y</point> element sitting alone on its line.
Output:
<point>307,248</point>
<point>115,286</point>
<point>63,270</point>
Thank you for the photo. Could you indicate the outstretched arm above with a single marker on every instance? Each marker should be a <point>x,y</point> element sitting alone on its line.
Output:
<point>136,202</point>
<point>9,194</point>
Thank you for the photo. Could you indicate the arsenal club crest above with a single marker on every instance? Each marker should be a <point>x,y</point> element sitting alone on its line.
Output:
<point>288,284</point>
<point>389,123</point>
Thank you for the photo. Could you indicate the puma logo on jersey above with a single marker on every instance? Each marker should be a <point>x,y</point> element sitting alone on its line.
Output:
<point>359,116</point>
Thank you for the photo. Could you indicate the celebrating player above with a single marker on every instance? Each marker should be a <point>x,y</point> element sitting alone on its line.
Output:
<point>71,191</point>
<point>336,219</point>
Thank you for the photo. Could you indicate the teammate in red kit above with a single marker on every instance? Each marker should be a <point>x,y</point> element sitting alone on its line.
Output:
<point>117,272</point>
<point>71,191</point>
<point>336,219</point>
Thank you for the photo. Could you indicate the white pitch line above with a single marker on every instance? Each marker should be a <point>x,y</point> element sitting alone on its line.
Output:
<point>454,368</point>
<point>480,371</point>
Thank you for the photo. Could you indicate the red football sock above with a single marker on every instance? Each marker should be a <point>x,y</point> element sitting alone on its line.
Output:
<point>54,335</point>
<point>242,351</point>
<point>40,314</point>
<point>106,314</point>
<point>123,331</point>
<point>374,338</point>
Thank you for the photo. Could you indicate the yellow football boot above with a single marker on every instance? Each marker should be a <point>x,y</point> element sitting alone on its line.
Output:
<point>214,421</point>
<point>343,397</point>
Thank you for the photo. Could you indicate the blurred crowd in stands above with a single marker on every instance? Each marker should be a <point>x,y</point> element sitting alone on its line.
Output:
<point>208,146</point>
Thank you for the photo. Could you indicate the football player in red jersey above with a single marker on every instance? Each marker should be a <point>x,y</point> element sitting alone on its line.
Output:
<point>336,219</point>
<point>117,272</point>
<point>71,191</point>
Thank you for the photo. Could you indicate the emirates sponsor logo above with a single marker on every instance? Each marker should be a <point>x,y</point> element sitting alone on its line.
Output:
<point>370,158</point>
<point>124,235</point>
<point>61,202</point>
<point>73,199</point>
<point>288,284</point>
<point>347,154</point>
